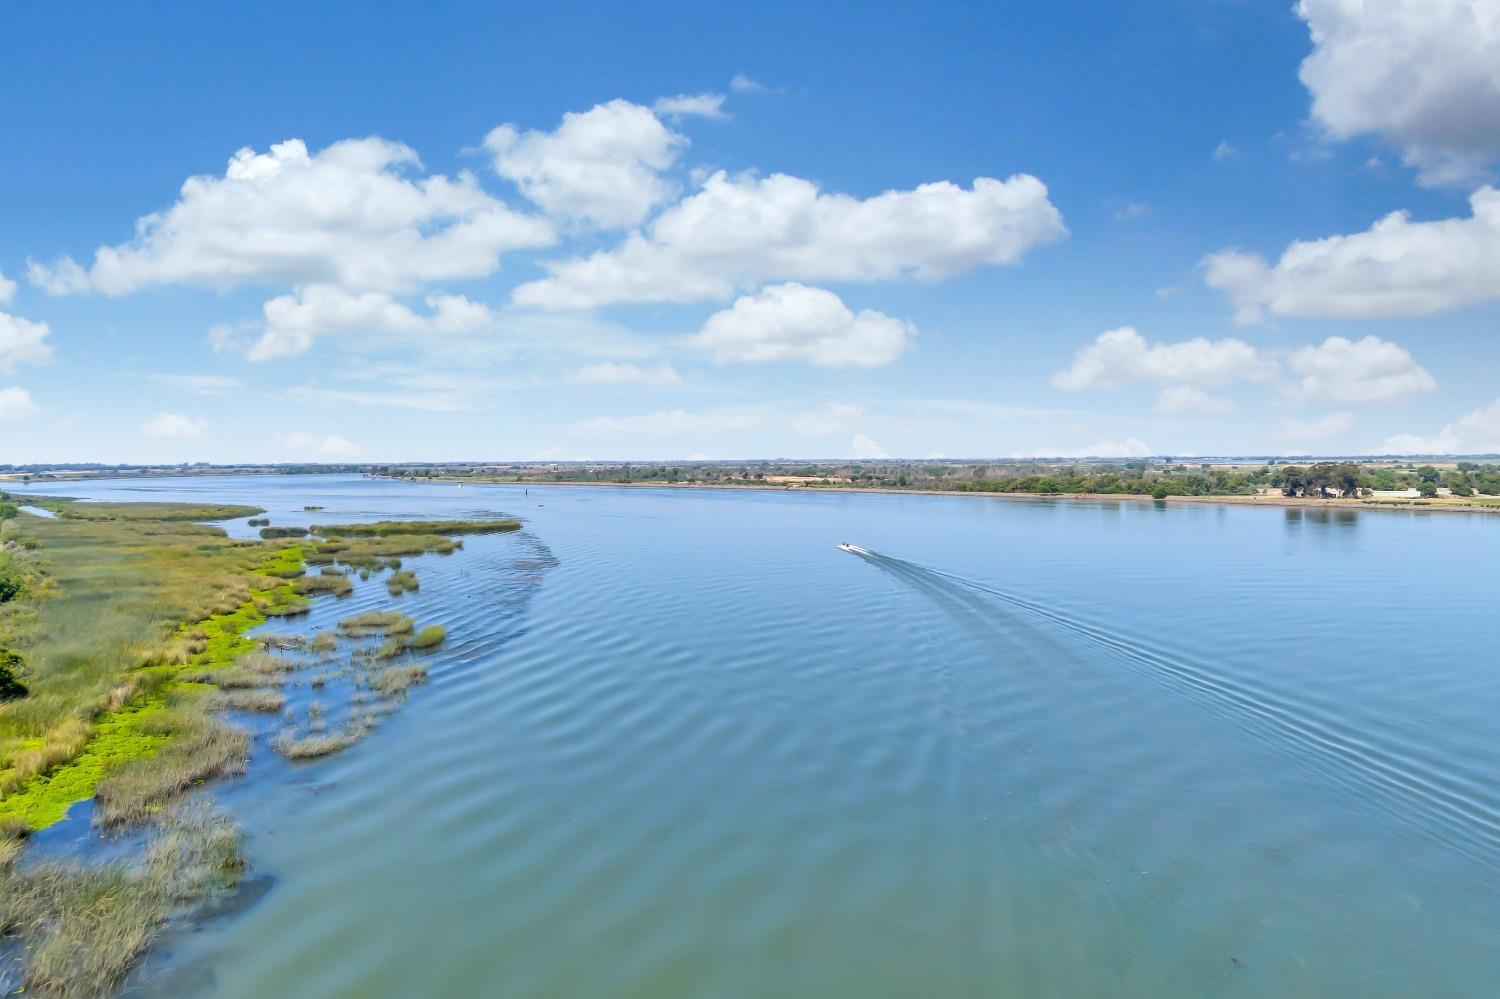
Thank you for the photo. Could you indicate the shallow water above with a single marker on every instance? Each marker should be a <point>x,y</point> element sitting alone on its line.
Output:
<point>680,745</point>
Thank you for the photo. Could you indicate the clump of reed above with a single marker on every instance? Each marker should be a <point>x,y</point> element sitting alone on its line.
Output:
<point>258,521</point>
<point>60,743</point>
<point>375,552</point>
<point>429,637</point>
<point>312,746</point>
<point>165,512</point>
<point>324,583</point>
<point>258,699</point>
<point>389,528</point>
<point>253,669</point>
<point>311,509</point>
<point>324,642</point>
<point>376,623</point>
<point>83,926</point>
<point>395,681</point>
<point>281,532</point>
<point>199,747</point>
<point>404,581</point>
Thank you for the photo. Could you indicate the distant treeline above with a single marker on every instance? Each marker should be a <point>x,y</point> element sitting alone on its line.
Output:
<point>1159,478</point>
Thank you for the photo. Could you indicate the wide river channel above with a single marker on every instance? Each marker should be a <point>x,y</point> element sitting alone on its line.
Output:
<point>679,744</point>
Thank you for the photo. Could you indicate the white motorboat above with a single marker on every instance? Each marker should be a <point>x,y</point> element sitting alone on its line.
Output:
<point>854,549</point>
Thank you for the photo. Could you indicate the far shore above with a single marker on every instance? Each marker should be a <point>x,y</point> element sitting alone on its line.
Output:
<point>1441,505</point>
<point>1297,502</point>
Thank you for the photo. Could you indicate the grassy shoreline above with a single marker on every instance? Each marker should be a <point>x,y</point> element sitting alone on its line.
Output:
<point>126,631</point>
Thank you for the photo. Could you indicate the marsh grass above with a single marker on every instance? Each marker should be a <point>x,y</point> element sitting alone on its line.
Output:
<point>257,699</point>
<point>162,512</point>
<point>324,642</point>
<point>391,648</point>
<point>429,637</point>
<point>404,581</point>
<point>335,584</point>
<point>100,633</point>
<point>375,553</point>
<point>395,681</point>
<point>372,623</point>
<point>282,532</point>
<point>84,926</point>
<point>195,747</point>
<point>311,746</point>
<point>390,528</point>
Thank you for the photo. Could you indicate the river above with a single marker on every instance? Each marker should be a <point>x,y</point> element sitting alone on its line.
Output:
<point>679,744</point>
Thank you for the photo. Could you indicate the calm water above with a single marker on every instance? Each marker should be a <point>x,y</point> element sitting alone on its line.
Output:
<point>680,745</point>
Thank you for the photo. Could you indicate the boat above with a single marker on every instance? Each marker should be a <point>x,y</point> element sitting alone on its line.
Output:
<point>854,549</point>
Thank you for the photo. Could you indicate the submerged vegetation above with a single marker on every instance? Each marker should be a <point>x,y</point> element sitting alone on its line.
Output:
<point>84,925</point>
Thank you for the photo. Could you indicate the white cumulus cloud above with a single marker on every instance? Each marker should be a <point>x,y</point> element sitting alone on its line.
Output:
<point>1474,433</point>
<point>624,373</point>
<point>863,447</point>
<point>199,384</point>
<point>830,418</point>
<point>791,322</point>
<point>1332,425</point>
<point>353,215</point>
<point>16,404</point>
<point>704,105</point>
<point>676,421</point>
<point>1423,75</point>
<point>1397,267</point>
<point>300,443</point>
<point>1368,370</point>
<point>7,289</point>
<point>741,231</point>
<point>22,342</point>
<point>174,426</point>
<point>1187,399</point>
<point>1130,447</point>
<point>1123,356</point>
<point>293,322</point>
<point>603,165</point>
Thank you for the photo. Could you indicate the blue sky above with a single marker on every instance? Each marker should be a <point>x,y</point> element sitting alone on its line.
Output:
<point>266,232</point>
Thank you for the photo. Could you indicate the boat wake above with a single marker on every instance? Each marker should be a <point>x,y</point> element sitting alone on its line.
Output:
<point>1465,806</point>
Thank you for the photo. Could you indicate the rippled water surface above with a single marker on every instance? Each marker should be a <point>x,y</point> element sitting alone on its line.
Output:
<point>681,745</point>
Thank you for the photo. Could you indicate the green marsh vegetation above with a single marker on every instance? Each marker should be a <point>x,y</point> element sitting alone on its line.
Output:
<point>336,583</point>
<point>429,637</point>
<point>391,528</point>
<point>124,632</point>
<point>72,510</point>
<point>116,612</point>
<point>376,623</point>
<point>117,606</point>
